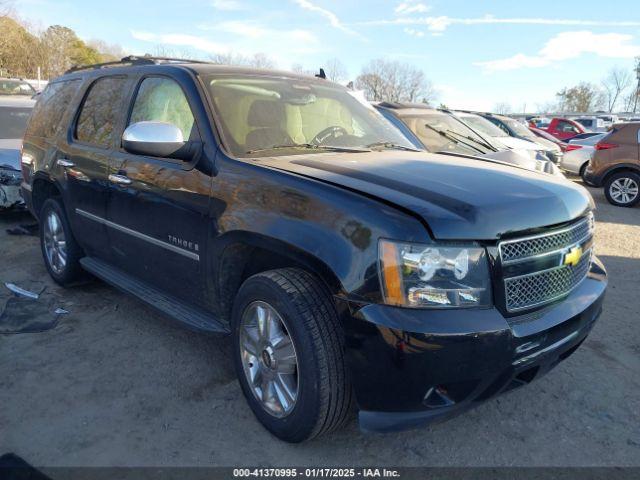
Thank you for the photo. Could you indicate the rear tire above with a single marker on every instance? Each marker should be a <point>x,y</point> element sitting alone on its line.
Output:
<point>299,309</point>
<point>623,189</point>
<point>60,250</point>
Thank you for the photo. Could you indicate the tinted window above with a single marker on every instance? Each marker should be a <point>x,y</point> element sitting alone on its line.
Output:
<point>13,122</point>
<point>50,108</point>
<point>100,110</point>
<point>162,100</point>
<point>441,132</point>
<point>567,127</point>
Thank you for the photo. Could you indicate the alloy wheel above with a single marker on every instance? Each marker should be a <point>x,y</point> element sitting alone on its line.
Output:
<point>624,190</point>
<point>55,244</point>
<point>269,359</point>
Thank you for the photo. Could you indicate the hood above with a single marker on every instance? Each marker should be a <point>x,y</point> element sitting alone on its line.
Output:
<point>459,198</point>
<point>519,144</point>
<point>514,157</point>
<point>10,153</point>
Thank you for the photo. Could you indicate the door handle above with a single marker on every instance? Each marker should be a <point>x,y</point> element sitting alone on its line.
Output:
<point>66,163</point>
<point>120,179</point>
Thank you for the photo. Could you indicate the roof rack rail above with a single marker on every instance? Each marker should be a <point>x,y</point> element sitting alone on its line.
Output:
<point>133,60</point>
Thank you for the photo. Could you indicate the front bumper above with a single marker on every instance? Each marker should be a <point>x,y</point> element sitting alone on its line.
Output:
<point>592,178</point>
<point>415,367</point>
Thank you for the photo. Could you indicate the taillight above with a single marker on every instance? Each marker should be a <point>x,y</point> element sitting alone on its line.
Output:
<point>605,146</point>
<point>571,147</point>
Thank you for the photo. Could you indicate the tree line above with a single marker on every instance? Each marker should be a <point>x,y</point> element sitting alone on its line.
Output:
<point>618,91</point>
<point>53,50</point>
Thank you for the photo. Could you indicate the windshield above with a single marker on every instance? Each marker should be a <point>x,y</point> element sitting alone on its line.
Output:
<point>262,116</point>
<point>441,132</point>
<point>13,122</point>
<point>483,126</point>
<point>15,87</point>
<point>519,128</point>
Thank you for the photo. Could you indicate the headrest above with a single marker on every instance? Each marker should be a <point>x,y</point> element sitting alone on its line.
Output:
<point>266,113</point>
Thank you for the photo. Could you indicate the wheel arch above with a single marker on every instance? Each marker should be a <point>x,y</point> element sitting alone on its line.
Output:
<point>243,254</point>
<point>43,187</point>
<point>630,167</point>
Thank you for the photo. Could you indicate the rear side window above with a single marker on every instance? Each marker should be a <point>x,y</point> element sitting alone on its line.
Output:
<point>162,100</point>
<point>50,108</point>
<point>100,112</point>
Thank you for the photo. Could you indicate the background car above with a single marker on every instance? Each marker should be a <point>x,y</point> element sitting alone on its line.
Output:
<point>488,129</point>
<point>15,110</point>
<point>16,86</point>
<point>514,128</point>
<point>615,165</point>
<point>439,131</point>
<point>563,128</point>
<point>579,153</point>
<point>595,124</point>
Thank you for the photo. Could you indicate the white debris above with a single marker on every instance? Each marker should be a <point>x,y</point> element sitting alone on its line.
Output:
<point>21,291</point>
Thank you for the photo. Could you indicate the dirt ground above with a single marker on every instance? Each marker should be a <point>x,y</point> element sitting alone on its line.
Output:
<point>116,384</point>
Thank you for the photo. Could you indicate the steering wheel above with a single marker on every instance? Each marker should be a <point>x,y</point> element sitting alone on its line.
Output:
<point>329,132</point>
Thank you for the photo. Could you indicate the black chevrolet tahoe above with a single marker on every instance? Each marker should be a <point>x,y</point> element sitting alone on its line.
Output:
<point>349,270</point>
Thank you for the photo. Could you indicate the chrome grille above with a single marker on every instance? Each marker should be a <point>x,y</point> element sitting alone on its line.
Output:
<point>528,285</point>
<point>532,246</point>
<point>542,287</point>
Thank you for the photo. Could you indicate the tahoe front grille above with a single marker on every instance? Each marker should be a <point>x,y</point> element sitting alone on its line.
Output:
<point>546,243</point>
<point>543,268</point>
<point>538,288</point>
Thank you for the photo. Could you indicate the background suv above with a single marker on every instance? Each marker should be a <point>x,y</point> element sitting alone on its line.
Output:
<point>615,165</point>
<point>515,129</point>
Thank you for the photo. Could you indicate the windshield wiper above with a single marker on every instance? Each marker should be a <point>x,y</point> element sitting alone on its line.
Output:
<point>454,139</point>
<point>474,140</point>
<point>391,145</point>
<point>307,146</point>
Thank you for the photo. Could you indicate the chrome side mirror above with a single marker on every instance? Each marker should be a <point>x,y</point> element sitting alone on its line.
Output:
<point>155,139</point>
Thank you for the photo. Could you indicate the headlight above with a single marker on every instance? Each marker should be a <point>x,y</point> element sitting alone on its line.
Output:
<point>434,276</point>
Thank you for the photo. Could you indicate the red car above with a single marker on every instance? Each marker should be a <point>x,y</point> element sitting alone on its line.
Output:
<point>563,128</point>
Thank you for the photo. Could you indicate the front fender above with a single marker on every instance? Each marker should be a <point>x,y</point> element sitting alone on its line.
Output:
<point>338,228</point>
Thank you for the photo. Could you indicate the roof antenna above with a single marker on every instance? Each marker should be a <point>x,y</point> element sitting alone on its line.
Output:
<point>321,75</point>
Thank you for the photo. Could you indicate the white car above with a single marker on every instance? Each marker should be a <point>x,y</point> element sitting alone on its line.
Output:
<point>578,153</point>
<point>594,124</point>
<point>486,128</point>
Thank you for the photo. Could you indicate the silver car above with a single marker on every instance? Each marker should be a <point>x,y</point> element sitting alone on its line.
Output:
<point>578,153</point>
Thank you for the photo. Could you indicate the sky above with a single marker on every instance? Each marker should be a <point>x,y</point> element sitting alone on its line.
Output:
<point>476,53</point>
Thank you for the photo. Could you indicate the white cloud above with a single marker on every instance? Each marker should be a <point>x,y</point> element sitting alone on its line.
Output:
<point>333,19</point>
<point>228,5</point>
<point>242,38</point>
<point>441,23</point>
<point>405,8</point>
<point>568,45</point>
<point>181,40</point>
<point>413,33</point>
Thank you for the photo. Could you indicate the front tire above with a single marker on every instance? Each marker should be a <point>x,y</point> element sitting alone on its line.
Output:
<point>60,250</point>
<point>288,354</point>
<point>623,189</point>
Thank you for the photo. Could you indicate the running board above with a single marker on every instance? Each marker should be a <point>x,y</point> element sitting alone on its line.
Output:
<point>193,317</point>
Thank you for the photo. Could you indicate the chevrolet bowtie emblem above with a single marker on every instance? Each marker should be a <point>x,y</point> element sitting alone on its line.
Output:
<point>572,257</point>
